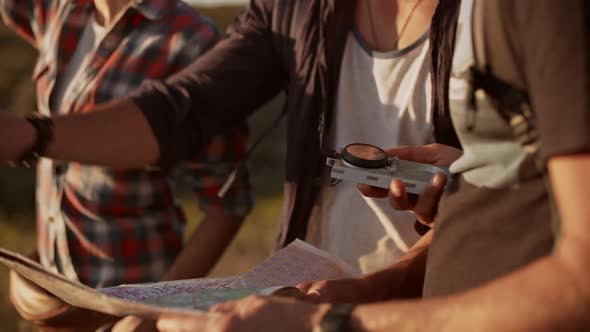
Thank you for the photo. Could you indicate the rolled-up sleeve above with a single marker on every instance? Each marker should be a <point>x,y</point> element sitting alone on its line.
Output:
<point>218,91</point>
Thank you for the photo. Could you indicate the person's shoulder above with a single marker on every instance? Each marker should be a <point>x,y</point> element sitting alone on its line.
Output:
<point>183,18</point>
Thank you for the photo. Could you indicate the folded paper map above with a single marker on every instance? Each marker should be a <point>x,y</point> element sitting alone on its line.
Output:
<point>296,263</point>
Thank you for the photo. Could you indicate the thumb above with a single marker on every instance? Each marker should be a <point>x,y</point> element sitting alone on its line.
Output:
<point>305,286</point>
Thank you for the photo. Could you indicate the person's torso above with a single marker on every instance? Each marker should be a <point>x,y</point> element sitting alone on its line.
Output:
<point>383,99</point>
<point>310,37</point>
<point>496,217</point>
<point>121,214</point>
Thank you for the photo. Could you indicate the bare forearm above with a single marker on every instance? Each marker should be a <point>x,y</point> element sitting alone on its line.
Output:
<point>115,135</point>
<point>207,244</point>
<point>404,279</point>
<point>552,294</point>
<point>546,296</point>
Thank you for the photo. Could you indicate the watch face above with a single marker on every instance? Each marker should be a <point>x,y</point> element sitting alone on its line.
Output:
<point>365,156</point>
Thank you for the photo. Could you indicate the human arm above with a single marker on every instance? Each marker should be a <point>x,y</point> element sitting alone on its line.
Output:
<point>100,137</point>
<point>404,279</point>
<point>551,294</point>
<point>425,205</point>
<point>171,119</point>
<point>215,232</point>
<point>223,216</point>
<point>221,222</point>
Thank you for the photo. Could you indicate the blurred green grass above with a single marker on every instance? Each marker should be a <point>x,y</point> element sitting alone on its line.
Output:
<point>17,216</point>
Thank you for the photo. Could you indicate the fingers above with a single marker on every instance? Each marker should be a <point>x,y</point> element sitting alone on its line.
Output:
<point>182,323</point>
<point>314,297</point>
<point>315,292</point>
<point>129,323</point>
<point>305,286</point>
<point>240,306</point>
<point>420,154</point>
<point>311,291</point>
<point>336,291</point>
<point>224,307</point>
<point>435,154</point>
<point>370,191</point>
<point>424,206</point>
<point>427,203</point>
<point>398,198</point>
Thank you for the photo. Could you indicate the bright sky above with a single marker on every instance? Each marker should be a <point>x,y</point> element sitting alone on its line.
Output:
<point>218,2</point>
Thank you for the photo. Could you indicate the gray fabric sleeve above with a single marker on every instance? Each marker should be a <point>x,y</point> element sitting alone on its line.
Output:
<point>550,39</point>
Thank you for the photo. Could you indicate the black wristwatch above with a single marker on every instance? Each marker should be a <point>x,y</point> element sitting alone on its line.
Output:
<point>44,129</point>
<point>336,319</point>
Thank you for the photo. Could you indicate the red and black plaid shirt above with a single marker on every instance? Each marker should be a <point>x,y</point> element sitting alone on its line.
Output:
<point>112,227</point>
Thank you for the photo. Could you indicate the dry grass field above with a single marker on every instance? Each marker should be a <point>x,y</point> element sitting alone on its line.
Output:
<point>17,225</point>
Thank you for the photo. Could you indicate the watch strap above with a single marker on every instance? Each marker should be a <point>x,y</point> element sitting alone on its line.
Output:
<point>44,129</point>
<point>336,319</point>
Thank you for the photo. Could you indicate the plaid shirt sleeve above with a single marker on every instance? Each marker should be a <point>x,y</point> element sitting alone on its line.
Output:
<point>213,164</point>
<point>28,17</point>
<point>213,167</point>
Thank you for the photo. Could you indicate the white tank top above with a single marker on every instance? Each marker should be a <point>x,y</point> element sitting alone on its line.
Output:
<point>383,99</point>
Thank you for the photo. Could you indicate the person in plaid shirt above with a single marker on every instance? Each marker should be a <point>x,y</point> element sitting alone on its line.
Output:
<point>102,226</point>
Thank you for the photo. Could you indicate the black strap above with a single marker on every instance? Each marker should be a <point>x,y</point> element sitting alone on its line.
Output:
<point>512,104</point>
<point>336,319</point>
<point>44,130</point>
<point>240,165</point>
<point>420,228</point>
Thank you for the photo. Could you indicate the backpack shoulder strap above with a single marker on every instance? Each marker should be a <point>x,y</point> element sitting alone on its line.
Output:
<point>497,73</point>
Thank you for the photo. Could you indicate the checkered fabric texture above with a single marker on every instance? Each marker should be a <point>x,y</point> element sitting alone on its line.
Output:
<point>102,226</point>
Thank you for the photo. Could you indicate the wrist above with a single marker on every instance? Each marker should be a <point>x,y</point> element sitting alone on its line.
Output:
<point>29,136</point>
<point>25,136</point>
<point>38,132</point>
<point>383,285</point>
<point>318,315</point>
<point>356,322</point>
<point>333,318</point>
<point>368,289</point>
